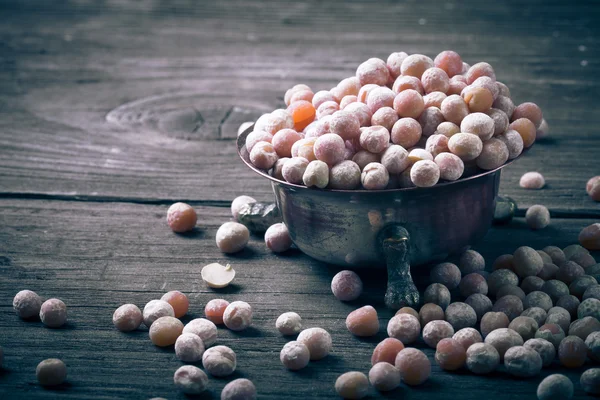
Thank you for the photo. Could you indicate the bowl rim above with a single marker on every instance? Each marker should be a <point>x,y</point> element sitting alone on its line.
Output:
<point>241,147</point>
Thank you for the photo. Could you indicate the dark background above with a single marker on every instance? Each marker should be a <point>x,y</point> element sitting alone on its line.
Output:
<point>112,110</point>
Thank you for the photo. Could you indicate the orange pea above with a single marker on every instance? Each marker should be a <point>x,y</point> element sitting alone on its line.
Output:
<point>303,113</point>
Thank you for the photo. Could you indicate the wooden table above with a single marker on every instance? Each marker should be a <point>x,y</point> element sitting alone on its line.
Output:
<point>112,110</point>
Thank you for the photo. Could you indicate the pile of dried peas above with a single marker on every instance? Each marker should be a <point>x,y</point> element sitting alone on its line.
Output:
<point>410,121</point>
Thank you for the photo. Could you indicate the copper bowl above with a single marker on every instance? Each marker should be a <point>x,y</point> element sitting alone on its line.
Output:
<point>396,228</point>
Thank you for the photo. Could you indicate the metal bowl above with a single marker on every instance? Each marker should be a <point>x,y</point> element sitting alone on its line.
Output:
<point>397,227</point>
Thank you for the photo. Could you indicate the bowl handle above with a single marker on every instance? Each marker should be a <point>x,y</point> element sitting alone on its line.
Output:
<point>401,291</point>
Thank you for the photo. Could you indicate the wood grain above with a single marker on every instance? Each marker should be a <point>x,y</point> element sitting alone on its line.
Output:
<point>97,256</point>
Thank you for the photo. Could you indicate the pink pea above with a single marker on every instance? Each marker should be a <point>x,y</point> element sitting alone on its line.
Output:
<point>513,141</point>
<point>454,109</point>
<point>531,111</point>
<point>489,84</point>
<point>478,124</point>
<point>263,155</point>
<point>255,137</point>
<point>304,148</point>
<point>380,97</point>
<point>415,65</point>
<point>394,63</point>
<point>375,139</point>
<point>493,154</point>
<point>347,100</point>
<point>361,111</point>
<point>344,175</point>
<point>318,127</point>
<point>385,116</point>
<point>327,108</point>
<point>465,68</point>
<point>500,120</point>
<point>435,80</point>
<point>437,144</point>
<point>363,157</point>
<point>406,132</point>
<point>465,145</point>
<point>451,166</point>
<point>450,62</point>
<point>505,104</point>
<point>408,82</point>
<point>293,169</point>
<point>434,99</point>
<point>364,91</point>
<point>347,87</point>
<point>345,124</point>
<point>425,173</point>
<point>409,103</point>
<point>503,90</point>
<point>456,85</point>
<point>429,120</point>
<point>284,140</point>
<point>478,70</point>
<point>306,95</point>
<point>321,97</point>
<point>542,130</point>
<point>395,159</point>
<point>374,71</point>
<point>329,148</point>
<point>374,176</point>
<point>277,238</point>
<point>532,180</point>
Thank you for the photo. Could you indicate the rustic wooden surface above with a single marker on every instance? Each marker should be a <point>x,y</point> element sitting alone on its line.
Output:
<point>111,110</point>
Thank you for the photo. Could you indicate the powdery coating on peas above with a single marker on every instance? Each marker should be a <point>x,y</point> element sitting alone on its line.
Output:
<point>504,103</point>
<point>493,154</point>
<point>404,327</point>
<point>373,71</point>
<point>408,82</point>
<point>155,309</point>
<point>435,80</point>
<point>583,327</point>
<point>524,326</point>
<point>27,304</point>
<point>548,271</point>
<point>434,99</point>
<point>435,331</point>
<point>532,284</point>
<point>290,92</point>
<point>503,339</point>
<point>467,337</point>
<point>384,376</point>
<point>190,379</point>
<point>450,62</point>
<point>478,99</point>
<point>451,166</point>
<point>569,271</point>
<point>345,175</point>
<point>592,342</point>
<point>328,148</point>
<point>457,85</point>
<point>478,70</point>
<point>165,331</point>
<point>522,362</point>
<point>438,294</point>
<point>538,299</point>
<point>430,312</point>
<point>526,129</point>
<point>406,132</point>
<point>425,173</point>
<point>555,289</point>
<point>238,316</point>
<point>437,144</point>
<point>263,155</point>
<point>385,116</point>
<point>471,261</point>
<point>454,109</point>
<point>361,111</point>
<point>555,387</point>
<point>239,389</point>
<point>480,303</point>
<point>277,238</point>
<point>414,366</point>
<point>415,65</point>
<point>581,284</point>
<point>482,358</point>
<point>316,174</point>
<point>394,63</point>
<point>379,98</point>
<point>178,301</point>
<point>408,310</point>
<point>51,372</point>
<point>394,159</point>
<point>289,323</point>
<point>450,354</point>
<point>375,176</point>
<point>478,124</point>
<point>572,352</point>
<point>321,97</point>
<point>473,283</point>
<point>409,103</point>
<point>537,217</point>
<point>53,313</point>
<point>487,83</point>
<point>318,341</point>
<point>593,188</point>
<point>447,274</point>
<point>513,142</point>
<point>219,361</point>
<point>500,120</point>
<point>430,119</point>
<point>346,285</point>
<point>493,320</point>
<point>203,328</point>
<point>499,278</point>
<point>544,348</point>
<point>465,145</point>
<point>527,262</point>
<point>255,137</point>
<point>232,237</point>
<point>374,139</point>
<point>189,348</point>
<point>528,110</point>
<point>552,333</point>
<point>560,317</point>
<point>327,108</point>
<point>127,318</point>
<point>283,141</point>
<point>589,237</point>
<point>363,321</point>
<point>461,315</point>
<point>214,310</point>
<point>510,290</point>
<point>181,217</point>
<point>591,292</point>
<point>569,303</point>
<point>345,124</point>
<point>238,203</point>
<point>347,87</point>
<point>294,355</point>
<point>589,308</point>
<point>386,351</point>
<point>352,385</point>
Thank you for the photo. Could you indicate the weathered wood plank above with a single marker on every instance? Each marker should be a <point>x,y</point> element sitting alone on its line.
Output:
<point>96,256</point>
